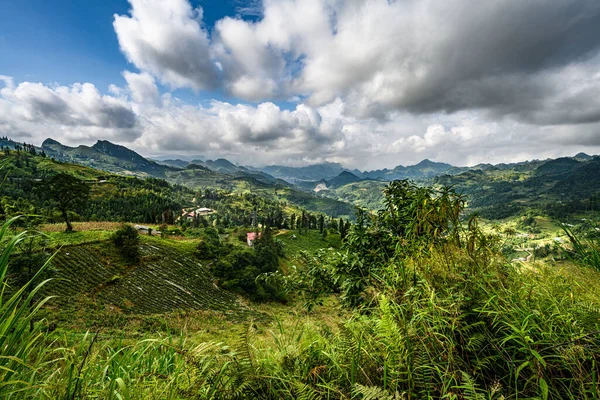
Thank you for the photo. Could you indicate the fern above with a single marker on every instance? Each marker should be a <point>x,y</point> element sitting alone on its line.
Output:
<point>374,393</point>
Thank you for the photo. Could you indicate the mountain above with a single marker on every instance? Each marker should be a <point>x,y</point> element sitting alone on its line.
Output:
<point>217,174</point>
<point>177,163</point>
<point>222,165</point>
<point>188,159</point>
<point>342,179</point>
<point>106,156</point>
<point>559,187</point>
<point>424,169</point>
<point>11,144</point>
<point>313,172</point>
<point>583,156</point>
<point>560,167</point>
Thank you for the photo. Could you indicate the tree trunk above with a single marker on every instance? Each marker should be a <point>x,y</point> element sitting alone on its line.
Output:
<point>67,221</point>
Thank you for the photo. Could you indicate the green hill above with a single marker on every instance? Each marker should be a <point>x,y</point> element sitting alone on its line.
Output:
<point>106,156</point>
<point>559,187</point>
<point>342,179</point>
<point>219,174</point>
<point>166,279</point>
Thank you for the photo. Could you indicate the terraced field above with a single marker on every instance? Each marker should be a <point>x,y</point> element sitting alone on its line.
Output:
<point>164,281</point>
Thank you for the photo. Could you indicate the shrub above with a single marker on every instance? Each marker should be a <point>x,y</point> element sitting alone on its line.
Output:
<point>127,242</point>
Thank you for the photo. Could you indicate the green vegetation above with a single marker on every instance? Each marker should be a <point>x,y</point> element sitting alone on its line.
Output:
<point>95,279</point>
<point>21,348</point>
<point>585,247</point>
<point>559,187</point>
<point>367,194</point>
<point>237,269</point>
<point>417,300</point>
<point>127,242</point>
<point>68,192</point>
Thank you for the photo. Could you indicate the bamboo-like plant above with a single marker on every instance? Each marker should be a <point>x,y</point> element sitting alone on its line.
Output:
<point>18,341</point>
<point>585,252</point>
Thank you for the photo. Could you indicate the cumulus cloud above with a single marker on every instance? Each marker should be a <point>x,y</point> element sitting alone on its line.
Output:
<point>142,87</point>
<point>77,108</point>
<point>167,39</point>
<point>375,83</point>
<point>251,134</point>
<point>380,56</point>
<point>266,133</point>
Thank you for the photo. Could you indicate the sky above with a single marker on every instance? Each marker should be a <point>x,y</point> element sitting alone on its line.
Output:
<point>366,83</point>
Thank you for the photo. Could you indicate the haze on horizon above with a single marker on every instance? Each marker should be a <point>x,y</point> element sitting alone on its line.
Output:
<point>366,83</point>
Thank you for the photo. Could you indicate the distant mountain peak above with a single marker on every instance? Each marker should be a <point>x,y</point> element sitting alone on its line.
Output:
<point>347,174</point>
<point>105,145</point>
<point>344,178</point>
<point>428,163</point>
<point>583,156</point>
<point>52,143</point>
<point>118,151</point>
<point>224,162</point>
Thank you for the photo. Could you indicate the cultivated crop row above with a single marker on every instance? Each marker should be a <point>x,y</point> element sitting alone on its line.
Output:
<point>165,280</point>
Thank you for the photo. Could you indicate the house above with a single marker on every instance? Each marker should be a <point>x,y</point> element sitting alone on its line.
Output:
<point>191,214</point>
<point>251,237</point>
<point>145,230</point>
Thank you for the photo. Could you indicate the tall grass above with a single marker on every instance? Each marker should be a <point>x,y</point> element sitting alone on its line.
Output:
<point>452,320</point>
<point>21,348</point>
<point>585,251</point>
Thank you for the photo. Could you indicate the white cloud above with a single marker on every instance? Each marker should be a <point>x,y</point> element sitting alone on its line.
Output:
<point>166,39</point>
<point>142,87</point>
<point>376,83</point>
<point>77,111</point>
<point>379,56</point>
<point>8,81</point>
<point>267,134</point>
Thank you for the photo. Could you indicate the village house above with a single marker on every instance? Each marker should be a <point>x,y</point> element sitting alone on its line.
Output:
<point>145,230</point>
<point>193,213</point>
<point>251,237</point>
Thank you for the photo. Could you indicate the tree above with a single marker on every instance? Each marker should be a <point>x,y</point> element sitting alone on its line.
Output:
<point>68,192</point>
<point>127,242</point>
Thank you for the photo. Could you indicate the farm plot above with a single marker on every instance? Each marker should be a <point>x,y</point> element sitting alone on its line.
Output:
<point>165,280</point>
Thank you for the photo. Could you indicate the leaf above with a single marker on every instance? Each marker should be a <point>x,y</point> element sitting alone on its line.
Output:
<point>525,364</point>
<point>539,357</point>
<point>544,389</point>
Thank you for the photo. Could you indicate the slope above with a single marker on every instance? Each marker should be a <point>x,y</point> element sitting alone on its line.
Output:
<point>166,279</point>
<point>106,156</point>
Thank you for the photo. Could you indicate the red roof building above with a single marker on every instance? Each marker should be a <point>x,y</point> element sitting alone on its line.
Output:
<point>251,237</point>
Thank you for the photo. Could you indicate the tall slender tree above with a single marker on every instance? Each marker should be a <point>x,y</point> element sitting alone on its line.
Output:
<point>68,192</point>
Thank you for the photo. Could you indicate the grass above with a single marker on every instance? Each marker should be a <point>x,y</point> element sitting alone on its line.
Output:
<point>19,344</point>
<point>97,288</point>
<point>81,226</point>
<point>457,329</point>
<point>295,242</point>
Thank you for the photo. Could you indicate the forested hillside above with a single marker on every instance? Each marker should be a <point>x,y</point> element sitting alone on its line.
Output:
<point>415,302</point>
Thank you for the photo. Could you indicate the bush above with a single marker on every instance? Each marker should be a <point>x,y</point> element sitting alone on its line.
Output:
<point>210,244</point>
<point>127,242</point>
<point>238,269</point>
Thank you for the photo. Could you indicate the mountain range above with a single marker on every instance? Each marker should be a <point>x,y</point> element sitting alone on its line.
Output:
<point>499,189</point>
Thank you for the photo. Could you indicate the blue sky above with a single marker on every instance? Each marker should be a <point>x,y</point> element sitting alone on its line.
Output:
<point>68,41</point>
<point>367,83</point>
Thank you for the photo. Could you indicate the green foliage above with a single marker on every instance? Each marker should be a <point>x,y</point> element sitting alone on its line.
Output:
<point>240,269</point>
<point>127,242</point>
<point>438,312</point>
<point>584,250</point>
<point>68,192</point>
<point>210,245</point>
<point>432,310</point>
<point>96,287</point>
<point>21,347</point>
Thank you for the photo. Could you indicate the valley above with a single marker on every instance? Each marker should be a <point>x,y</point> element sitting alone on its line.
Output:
<point>270,286</point>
